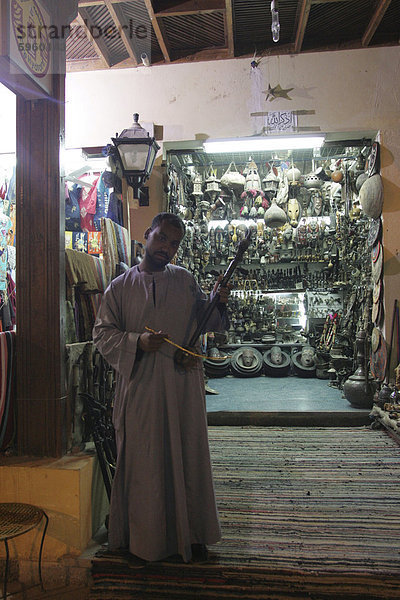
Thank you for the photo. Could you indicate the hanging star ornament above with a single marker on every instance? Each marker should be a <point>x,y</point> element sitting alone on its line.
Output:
<point>277,92</point>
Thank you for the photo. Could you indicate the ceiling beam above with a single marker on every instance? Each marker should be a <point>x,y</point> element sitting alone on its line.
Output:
<point>304,7</point>
<point>120,22</point>
<point>192,7</point>
<point>86,3</point>
<point>98,44</point>
<point>206,54</point>
<point>96,64</point>
<point>374,22</point>
<point>229,41</point>
<point>159,31</point>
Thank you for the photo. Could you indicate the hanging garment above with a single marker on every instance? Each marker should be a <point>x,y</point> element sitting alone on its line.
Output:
<point>162,497</point>
<point>103,198</point>
<point>115,212</point>
<point>87,205</point>
<point>72,208</point>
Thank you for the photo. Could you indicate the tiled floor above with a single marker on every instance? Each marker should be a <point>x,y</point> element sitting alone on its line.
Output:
<point>284,401</point>
<point>275,394</point>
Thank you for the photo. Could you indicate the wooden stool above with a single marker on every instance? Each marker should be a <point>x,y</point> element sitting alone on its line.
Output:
<point>17,519</point>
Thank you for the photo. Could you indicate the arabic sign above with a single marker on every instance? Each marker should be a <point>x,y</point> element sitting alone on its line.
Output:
<point>281,120</point>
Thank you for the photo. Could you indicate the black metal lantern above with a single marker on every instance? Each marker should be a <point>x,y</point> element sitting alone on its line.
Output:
<point>136,152</point>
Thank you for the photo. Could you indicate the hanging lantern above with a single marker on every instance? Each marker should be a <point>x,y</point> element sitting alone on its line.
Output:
<point>197,185</point>
<point>136,152</point>
<point>253,181</point>
<point>271,182</point>
<point>212,183</point>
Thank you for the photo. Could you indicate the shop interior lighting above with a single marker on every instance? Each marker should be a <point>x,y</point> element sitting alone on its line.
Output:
<point>259,144</point>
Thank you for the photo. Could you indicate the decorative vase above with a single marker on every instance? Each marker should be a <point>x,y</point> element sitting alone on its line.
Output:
<point>358,388</point>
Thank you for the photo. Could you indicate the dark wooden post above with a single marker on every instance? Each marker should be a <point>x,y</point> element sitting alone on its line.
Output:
<point>40,274</point>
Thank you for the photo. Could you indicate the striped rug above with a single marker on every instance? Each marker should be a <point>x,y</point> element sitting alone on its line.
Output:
<point>305,513</point>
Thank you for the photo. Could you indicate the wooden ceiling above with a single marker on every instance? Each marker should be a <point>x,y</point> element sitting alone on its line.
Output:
<point>115,34</point>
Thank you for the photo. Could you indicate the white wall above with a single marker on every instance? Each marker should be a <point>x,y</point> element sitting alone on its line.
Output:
<point>349,90</point>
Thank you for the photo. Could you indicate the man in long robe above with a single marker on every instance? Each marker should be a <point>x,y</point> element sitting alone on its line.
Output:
<point>162,500</point>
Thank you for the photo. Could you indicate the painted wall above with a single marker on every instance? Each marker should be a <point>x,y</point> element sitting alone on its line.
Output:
<point>349,91</point>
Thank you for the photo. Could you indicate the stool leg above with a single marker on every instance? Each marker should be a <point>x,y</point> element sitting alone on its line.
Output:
<point>6,571</point>
<point>41,549</point>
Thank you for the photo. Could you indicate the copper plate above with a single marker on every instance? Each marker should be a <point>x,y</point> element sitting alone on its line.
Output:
<point>375,339</point>
<point>376,312</point>
<point>374,232</point>
<point>376,292</point>
<point>377,267</point>
<point>375,252</point>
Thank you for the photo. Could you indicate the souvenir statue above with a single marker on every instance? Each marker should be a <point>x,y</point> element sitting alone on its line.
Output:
<point>301,233</point>
<point>288,237</point>
<point>283,192</point>
<point>312,233</point>
<point>316,202</point>
<point>293,212</point>
<point>246,362</point>
<point>304,362</point>
<point>276,362</point>
<point>336,197</point>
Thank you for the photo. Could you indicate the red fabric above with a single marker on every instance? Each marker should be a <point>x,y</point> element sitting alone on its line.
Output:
<point>87,206</point>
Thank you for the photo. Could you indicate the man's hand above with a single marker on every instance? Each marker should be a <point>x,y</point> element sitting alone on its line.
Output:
<point>223,291</point>
<point>151,342</point>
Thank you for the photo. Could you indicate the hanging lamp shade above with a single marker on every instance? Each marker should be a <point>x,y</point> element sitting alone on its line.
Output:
<point>136,151</point>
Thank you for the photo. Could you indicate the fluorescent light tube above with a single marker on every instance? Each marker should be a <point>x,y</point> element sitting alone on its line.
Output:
<point>262,143</point>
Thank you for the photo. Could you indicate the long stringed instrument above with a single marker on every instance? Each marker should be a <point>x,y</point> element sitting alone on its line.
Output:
<point>185,359</point>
